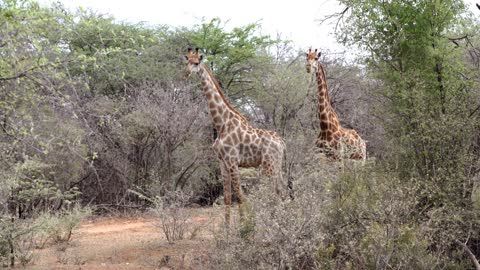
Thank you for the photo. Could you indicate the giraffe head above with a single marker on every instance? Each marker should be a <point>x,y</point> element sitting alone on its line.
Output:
<point>312,60</point>
<point>193,61</point>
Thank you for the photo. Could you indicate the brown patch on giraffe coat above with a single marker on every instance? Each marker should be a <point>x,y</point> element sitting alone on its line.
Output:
<point>217,119</point>
<point>248,151</point>
<point>217,98</point>
<point>235,138</point>
<point>247,138</point>
<point>254,149</point>
<point>329,135</point>
<point>274,146</point>
<point>241,147</point>
<point>331,114</point>
<point>240,134</point>
<point>228,140</point>
<point>266,143</point>
<point>324,125</point>
<point>323,116</point>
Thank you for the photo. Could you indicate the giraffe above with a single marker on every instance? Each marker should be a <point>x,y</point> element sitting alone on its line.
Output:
<point>334,140</point>
<point>238,143</point>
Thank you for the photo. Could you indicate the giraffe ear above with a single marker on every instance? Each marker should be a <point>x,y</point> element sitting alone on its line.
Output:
<point>189,49</point>
<point>186,57</point>
<point>319,54</point>
<point>201,57</point>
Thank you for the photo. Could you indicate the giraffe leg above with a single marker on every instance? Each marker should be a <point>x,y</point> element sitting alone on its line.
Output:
<point>286,188</point>
<point>227,191</point>
<point>272,173</point>
<point>237,191</point>
<point>282,188</point>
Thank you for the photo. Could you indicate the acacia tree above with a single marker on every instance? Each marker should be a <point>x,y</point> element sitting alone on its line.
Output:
<point>429,111</point>
<point>232,55</point>
<point>34,101</point>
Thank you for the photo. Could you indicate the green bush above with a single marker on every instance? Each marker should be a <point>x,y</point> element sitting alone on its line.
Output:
<point>58,226</point>
<point>34,192</point>
<point>344,216</point>
<point>20,237</point>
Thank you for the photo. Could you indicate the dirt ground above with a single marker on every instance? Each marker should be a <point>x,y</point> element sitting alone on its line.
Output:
<point>132,243</point>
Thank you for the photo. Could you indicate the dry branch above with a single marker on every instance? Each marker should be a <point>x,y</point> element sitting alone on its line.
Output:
<point>469,253</point>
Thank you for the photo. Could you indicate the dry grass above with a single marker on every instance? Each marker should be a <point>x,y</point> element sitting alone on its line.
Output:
<point>131,243</point>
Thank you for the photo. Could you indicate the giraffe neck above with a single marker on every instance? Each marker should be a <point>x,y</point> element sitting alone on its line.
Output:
<point>326,114</point>
<point>220,110</point>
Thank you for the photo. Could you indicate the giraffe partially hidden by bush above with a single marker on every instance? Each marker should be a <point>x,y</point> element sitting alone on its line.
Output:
<point>334,140</point>
<point>238,144</point>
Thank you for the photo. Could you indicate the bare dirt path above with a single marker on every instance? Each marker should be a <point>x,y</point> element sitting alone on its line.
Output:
<point>130,243</point>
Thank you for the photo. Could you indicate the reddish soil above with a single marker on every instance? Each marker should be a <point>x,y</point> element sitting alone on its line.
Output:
<point>131,243</point>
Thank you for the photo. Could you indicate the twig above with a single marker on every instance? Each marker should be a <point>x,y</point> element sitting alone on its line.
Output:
<point>338,15</point>
<point>110,205</point>
<point>469,253</point>
<point>18,76</point>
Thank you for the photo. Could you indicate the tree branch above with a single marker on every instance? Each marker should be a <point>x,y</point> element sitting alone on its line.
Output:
<point>18,76</point>
<point>182,174</point>
<point>338,15</point>
<point>469,253</point>
<point>455,40</point>
<point>25,73</point>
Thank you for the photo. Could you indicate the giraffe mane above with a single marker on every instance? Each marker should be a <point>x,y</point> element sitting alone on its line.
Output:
<point>219,89</point>
<point>322,70</point>
<point>327,95</point>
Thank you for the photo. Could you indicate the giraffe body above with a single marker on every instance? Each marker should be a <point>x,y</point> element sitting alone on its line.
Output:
<point>238,144</point>
<point>334,140</point>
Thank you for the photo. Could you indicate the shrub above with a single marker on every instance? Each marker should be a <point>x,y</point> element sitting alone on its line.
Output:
<point>58,226</point>
<point>172,215</point>
<point>20,237</point>
<point>16,241</point>
<point>344,216</point>
<point>283,234</point>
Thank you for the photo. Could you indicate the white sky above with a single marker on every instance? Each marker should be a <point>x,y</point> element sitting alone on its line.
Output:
<point>296,21</point>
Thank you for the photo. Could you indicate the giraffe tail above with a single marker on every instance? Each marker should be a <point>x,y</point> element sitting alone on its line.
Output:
<point>288,167</point>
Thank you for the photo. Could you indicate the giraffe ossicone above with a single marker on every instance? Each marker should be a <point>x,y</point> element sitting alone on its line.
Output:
<point>334,140</point>
<point>238,144</point>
